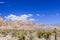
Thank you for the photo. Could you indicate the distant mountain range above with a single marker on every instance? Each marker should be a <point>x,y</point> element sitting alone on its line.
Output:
<point>27,25</point>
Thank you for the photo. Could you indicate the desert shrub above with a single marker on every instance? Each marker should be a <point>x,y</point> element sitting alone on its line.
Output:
<point>40,34</point>
<point>20,35</point>
<point>47,34</point>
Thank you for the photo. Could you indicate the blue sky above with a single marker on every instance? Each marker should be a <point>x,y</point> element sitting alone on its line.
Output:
<point>42,11</point>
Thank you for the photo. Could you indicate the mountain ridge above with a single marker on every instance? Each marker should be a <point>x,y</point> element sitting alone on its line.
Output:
<point>24,25</point>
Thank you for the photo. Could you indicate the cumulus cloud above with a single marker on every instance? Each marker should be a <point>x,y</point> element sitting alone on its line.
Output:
<point>24,17</point>
<point>32,19</point>
<point>2,2</point>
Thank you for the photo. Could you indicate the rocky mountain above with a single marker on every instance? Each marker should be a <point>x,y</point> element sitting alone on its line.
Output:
<point>21,25</point>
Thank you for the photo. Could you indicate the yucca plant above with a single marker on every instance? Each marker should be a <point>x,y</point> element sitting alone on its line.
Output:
<point>55,32</point>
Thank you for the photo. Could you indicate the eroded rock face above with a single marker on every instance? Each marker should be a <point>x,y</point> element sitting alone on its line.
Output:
<point>23,25</point>
<point>20,25</point>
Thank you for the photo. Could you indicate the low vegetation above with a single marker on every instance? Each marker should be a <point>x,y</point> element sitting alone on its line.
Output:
<point>22,33</point>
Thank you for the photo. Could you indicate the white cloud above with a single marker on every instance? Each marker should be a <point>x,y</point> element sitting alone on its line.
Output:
<point>38,14</point>
<point>2,2</point>
<point>24,17</point>
<point>32,19</point>
<point>30,14</point>
<point>57,14</point>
